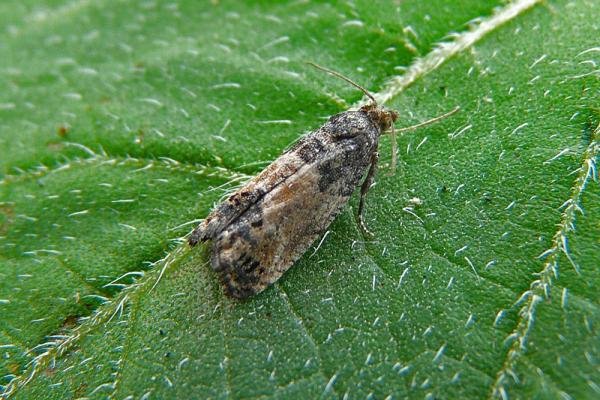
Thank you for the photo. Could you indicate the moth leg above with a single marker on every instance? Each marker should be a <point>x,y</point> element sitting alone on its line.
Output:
<point>364,189</point>
<point>394,151</point>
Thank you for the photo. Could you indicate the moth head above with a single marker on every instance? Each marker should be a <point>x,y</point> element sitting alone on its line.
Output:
<point>380,116</point>
<point>383,118</point>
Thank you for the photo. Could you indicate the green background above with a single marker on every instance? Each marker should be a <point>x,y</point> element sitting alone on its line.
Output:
<point>122,122</point>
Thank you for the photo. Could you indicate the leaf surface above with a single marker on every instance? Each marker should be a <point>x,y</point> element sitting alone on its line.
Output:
<point>124,122</point>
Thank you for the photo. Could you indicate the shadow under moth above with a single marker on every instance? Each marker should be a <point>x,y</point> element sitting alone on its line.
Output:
<point>261,230</point>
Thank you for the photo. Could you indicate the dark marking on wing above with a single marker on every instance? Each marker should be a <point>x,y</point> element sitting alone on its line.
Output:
<point>310,150</point>
<point>328,175</point>
<point>240,275</point>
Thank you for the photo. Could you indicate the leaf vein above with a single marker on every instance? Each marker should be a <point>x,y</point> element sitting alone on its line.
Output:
<point>539,289</point>
<point>447,50</point>
<point>103,314</point>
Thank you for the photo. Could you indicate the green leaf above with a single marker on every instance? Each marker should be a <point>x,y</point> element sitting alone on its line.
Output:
<point>123,123</point>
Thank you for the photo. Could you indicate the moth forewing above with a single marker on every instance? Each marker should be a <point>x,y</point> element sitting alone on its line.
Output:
<point>263,228</point>
<point>293,201</point>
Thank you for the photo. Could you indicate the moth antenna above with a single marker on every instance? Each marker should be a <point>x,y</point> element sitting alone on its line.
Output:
<point>350,81</point>
<point>429,121</point>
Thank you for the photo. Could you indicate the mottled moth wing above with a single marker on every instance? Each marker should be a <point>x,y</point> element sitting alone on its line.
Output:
<point>239,202</point>
<point>272,220</point>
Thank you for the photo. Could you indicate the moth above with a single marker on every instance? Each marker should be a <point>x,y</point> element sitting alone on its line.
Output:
<point>262,229</point>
